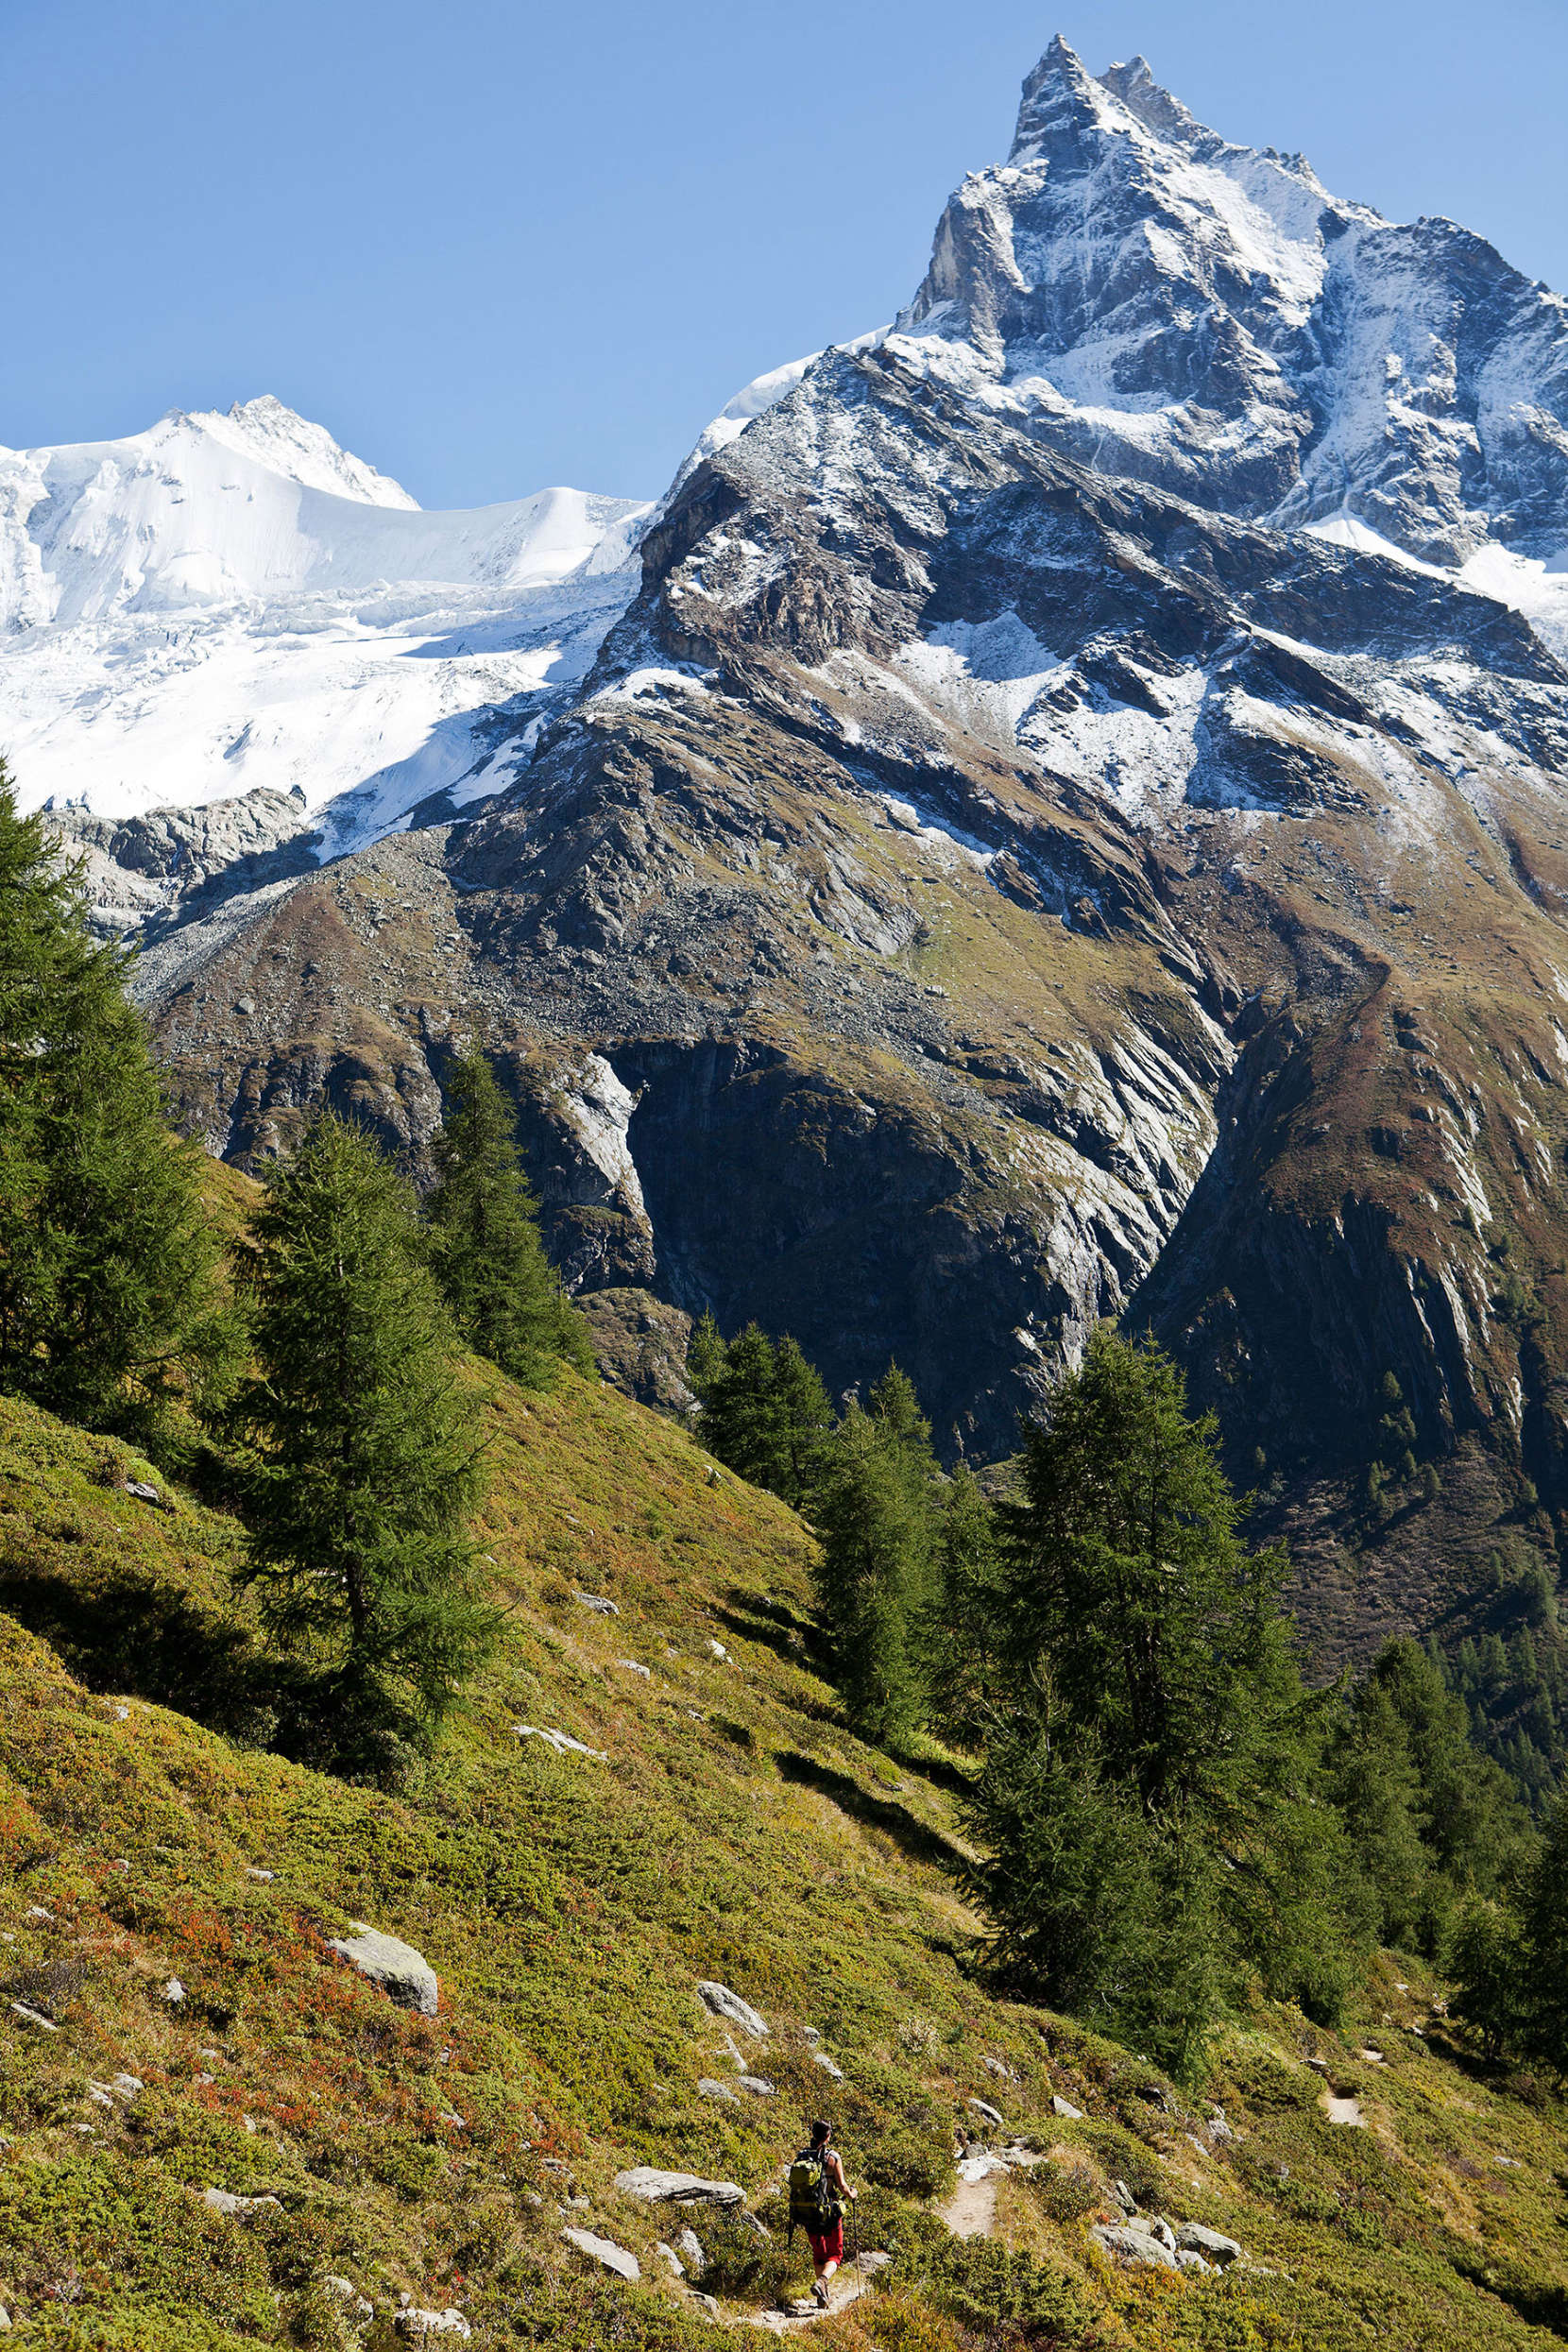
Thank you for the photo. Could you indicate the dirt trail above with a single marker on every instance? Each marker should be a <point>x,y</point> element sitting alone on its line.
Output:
<point>846,2288</point>
<point>970,2211</point>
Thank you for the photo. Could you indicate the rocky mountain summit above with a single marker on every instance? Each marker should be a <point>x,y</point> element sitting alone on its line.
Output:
<point>1065,820</point>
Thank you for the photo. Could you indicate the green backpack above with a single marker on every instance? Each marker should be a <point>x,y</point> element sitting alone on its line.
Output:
<point>812,2203</point>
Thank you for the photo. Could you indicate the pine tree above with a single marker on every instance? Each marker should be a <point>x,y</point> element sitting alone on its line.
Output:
<point>875,1511</point>
<point>108,1308</point>
<point>1151,1688</point>
<point>964,1632</point>
<point>765,1413</point>
<point>363,1451</point>
<point>484,1242</point>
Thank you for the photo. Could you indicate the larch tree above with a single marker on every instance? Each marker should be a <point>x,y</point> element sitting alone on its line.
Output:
<point>361,1446</point>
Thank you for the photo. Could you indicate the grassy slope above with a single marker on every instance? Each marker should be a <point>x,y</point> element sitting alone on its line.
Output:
<point>736,1830</point>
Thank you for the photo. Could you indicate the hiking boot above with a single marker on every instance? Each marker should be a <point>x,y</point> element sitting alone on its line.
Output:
<point>819,2293</point>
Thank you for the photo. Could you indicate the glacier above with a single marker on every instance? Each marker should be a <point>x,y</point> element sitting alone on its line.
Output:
<point>230,605</point>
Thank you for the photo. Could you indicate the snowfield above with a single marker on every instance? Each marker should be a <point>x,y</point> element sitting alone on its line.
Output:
<point>228,602</point>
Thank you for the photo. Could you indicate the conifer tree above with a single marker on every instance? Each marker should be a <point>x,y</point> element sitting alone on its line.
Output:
<point>1152,1690</point>
<point>363,1449</point>
<point>484,1242</point>
<point>765,1411</point>
<point>107,1259</point>
<point>963,1636</point>
<point>874,1512</point>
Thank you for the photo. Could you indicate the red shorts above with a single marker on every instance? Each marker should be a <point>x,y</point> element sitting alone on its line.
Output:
<point>826,2245</point>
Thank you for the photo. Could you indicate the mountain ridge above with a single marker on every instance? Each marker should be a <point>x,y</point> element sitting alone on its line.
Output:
<point>1061,820</point>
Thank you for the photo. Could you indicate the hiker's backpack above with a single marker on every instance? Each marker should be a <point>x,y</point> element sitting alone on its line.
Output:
<point>813,2204</point>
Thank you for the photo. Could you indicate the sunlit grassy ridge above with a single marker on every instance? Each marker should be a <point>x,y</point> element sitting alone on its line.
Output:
<point>735,1829</point>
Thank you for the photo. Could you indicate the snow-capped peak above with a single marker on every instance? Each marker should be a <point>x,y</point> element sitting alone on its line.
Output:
<point>1167,305</point>
<point>288,444</point>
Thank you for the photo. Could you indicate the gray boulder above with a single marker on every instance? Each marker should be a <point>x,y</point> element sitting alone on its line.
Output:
<point>758,2085</point>
<point>691,2252</point>
<point>403,1974</point>
<point>830,2066</point>
<point>984,2108</point>
<point>708,2088</point>
<point>724,2003</point>
<point>649,2186</point>
<point>607,2254</point>
<point>1194,2238</point>
<point>1132,2246</point>
<point>412,2321</point>
<point>596,1601</point>
<point>1065,2108</point>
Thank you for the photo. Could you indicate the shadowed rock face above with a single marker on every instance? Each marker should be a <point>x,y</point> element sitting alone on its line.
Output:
<point>1068,824</point>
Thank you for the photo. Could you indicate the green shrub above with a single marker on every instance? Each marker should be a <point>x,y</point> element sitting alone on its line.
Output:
<point>1066,2190</point>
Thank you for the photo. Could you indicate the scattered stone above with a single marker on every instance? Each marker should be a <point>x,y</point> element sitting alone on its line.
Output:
<point>758,2085</point>
<point>86,2130</point>
<point>828,2066</point>
<point>708,2088</point>
<point>632,1667</point>
<point>1188,2260</point>
<point>31,2016</point>
<point>238,2208</point>
<point>1343,2109</point>
<point>411,2322</point>
<point>724,2003</point>
<point>4,2321</point>
<point>244,1007</point>
<point>576,2205</point>
<point>1373,2057</point>
<point>719,1651</point>
<point>983,2108</point>
<point>671,2259</point>
<point>649,2186</point>
<point>126,2085</point>
<point>869,2264</point>
<point>561,1742</point>
<point>1192,2238</point>
<point>692,2248</point>
<point>36,1911</point>
<point>122,1714</point>
<point>174,1992</point>
<point>709,2303</point>
<point>100,2094</point>
<point>1158,2227</point>
<point>596,1601</point>
<point>1219,2127</point>
<point>1124,2197</point>
<point>265,1876</point>
<point>347,2292</point>
<point>1065,2108</point>
<point>449,2115</point>
<point>1319,2065</point>
<point>999,2068</point>
<point>1131,2246</point>
<point>607,2254</point>
<point>403,1974</point>
<point>143,1492</point>
<point>809,2032</point>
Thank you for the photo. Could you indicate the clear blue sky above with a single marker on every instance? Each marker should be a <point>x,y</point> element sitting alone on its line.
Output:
<point>494,245</point>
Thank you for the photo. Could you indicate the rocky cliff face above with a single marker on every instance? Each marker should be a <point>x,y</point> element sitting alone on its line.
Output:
<point>1068,824</point>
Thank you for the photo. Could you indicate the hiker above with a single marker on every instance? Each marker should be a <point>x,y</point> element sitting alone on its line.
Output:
<point>817,2192</point>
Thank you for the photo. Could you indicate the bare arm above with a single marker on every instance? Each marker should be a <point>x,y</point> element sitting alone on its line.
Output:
<point>835,2167</point>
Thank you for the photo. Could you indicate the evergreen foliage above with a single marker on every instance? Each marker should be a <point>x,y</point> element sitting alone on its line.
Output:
<point>362,1462</point>
<point>107,1308</point>
<point>765,1413</point>
<point>1431,1817</point>
<point>1146,1806</point>
<point>876,1516</point>
<point>484,1242</point>
<point>963,1637</point>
